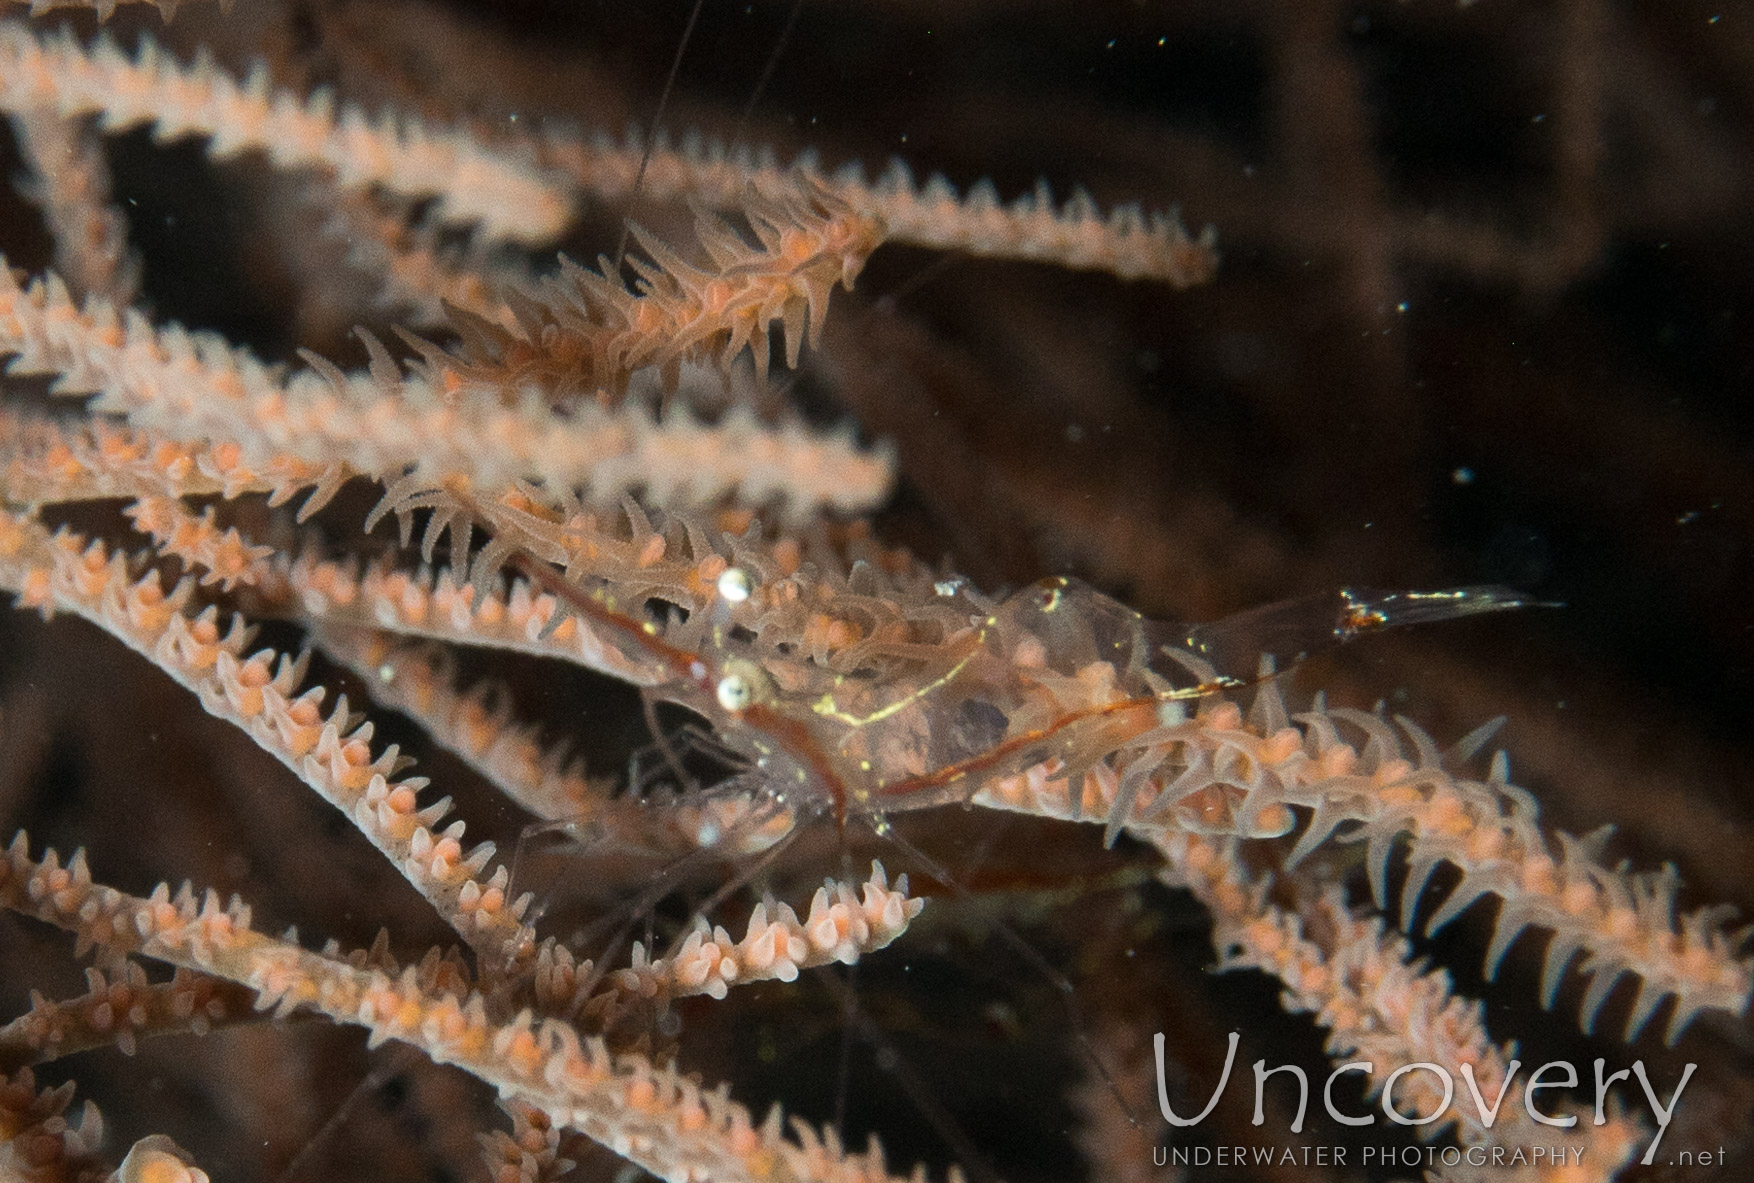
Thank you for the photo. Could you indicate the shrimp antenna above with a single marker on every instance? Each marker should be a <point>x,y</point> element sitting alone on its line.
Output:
<point>645,159</point>
<point>649,710</point>
<point>773,60</point>
<point>880,825</point>
<point>396,1060</point>
<point>666,881</point>
<point>941,1120</point>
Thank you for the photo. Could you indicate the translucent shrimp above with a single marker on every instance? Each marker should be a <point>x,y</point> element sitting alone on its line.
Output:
<point>1058,672</point>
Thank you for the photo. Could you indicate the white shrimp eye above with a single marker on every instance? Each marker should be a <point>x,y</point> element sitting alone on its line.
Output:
<point>735,693</point>
<point>734,585</point>
<point>742,685</point>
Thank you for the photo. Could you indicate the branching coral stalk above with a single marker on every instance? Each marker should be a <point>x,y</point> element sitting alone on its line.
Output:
<point>476,725</point>
<point>658,1119</point>
<point>834,597</point>
<point>509,198</point>
<point>260,693</point>
<point>120,1009</point>
<point>442,607</point>
<point>530,1153</point>
<point>224,556</point>
<point>1224,774</point>
<point>71,186</point>
<point>196,389</point>
<point>840,927</point>
<point>37,1142</point>
<point>835,601</point>
<point>586,333</point>
<point>1380,1007</point>
<point>51,462</point>
<point>1128,242</point>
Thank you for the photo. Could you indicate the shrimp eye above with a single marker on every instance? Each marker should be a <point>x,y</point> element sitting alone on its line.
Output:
<point>735,693</point>
<point>743,684</point>
<point>734,585</point>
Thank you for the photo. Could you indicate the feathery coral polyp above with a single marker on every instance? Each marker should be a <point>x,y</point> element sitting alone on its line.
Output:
<point>586,334</point>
